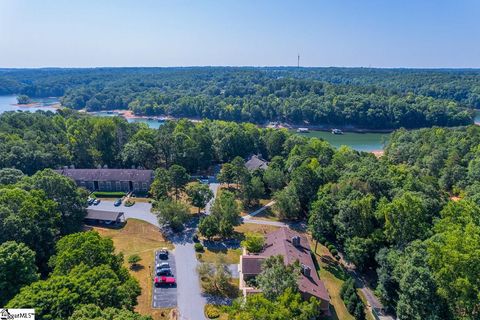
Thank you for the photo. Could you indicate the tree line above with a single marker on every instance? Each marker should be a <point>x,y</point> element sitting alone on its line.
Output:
<point>370,98</point>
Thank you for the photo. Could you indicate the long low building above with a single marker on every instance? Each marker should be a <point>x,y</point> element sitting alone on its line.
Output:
<point>104,217</point>
<point>293,247</point>
<point>125,180</point>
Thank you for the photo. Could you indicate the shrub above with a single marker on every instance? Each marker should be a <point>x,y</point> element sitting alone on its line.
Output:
<point>330,247</point>
<point>334,252</point>
<point>211,311</point>
<point>327,244</point>
<point>109,194</point>
<point>199,256</point>
<point>198,247</point>
<point>129,203</point>
<point>253,242</point>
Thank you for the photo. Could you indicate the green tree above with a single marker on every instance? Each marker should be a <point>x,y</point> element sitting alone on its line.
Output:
<point>209,226</point>
<point>87,248</point>
<point>139,153</point>
<point>454,253</point>
<point>406,219</point>
<point>23,99</point>
<point>94,312</point>
<point>10,176</point>
<point>178,178</point>
<point>171,213</point>
<point>276,277</point>
<point>287,203</point>
<point>160,186</point>
<point>253,242</point>
<point>274,178</point>
<point>17,269</point>
<point>289,305</point>
<point>200,194</point>
<point>320,220</point>
<point>227,174</point>
<point>252,190</point>
<point>69,198</point>
<point>58,296</point>
<point>216,279</point>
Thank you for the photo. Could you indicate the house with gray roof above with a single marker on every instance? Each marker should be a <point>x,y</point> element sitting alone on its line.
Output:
<point>124,180</point>
<point>256,162</point>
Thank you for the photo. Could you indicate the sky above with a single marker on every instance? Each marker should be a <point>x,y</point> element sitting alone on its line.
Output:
<point>350,33</point>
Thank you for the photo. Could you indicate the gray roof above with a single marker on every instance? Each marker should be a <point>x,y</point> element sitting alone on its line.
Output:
<point>103,215</point>
<point>108,174</point>
<point>256,162</point>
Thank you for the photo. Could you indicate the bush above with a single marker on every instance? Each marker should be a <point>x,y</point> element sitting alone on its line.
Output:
<point>109,194</point>
<point>327,244</point>
<point>253,242</point>
<point>129,203</point>
<point>198,247</point>
<point>211,311</point>
<point>334,252</point>
<point>199,256</point>
<point>330,247</point>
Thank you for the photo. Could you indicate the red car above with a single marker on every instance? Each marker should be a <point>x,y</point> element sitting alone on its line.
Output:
<point>164,280</point>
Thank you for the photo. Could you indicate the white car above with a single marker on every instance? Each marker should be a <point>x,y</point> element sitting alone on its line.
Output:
<point>162,265</point>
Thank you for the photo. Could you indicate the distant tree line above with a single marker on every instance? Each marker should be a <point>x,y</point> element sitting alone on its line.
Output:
<point>370,98</point>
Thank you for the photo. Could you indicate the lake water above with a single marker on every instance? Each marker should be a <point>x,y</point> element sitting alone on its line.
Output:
<point>357,141</point>
<point>8,103</point>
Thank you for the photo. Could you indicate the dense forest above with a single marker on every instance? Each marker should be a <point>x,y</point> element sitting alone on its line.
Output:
<point>410,219</point>
<point>367,98</point>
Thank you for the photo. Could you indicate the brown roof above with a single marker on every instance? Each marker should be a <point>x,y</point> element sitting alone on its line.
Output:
<point>108,174</point>
<point>280,243</point>
<point>252,264</point>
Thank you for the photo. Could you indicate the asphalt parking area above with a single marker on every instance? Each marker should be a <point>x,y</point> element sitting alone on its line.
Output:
<point>165,296</point>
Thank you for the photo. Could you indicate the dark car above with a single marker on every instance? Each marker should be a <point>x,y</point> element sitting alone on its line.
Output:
<point>117,202</point>
<point>163,254</point>
<point>90,201</point>
<point>195,238</point>
<point>96,202</point>
<point>164,272</point>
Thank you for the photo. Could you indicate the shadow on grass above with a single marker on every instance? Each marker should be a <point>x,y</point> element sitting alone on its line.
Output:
<point>332,266</point>
<point>137,267</point>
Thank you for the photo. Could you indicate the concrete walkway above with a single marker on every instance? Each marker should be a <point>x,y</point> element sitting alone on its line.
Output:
<point>254,213</point>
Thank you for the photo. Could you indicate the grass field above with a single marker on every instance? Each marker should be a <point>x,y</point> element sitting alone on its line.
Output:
<point>333,276</point>
<point>143,239</point>
<point>252,227</point>
<point>231,256</point>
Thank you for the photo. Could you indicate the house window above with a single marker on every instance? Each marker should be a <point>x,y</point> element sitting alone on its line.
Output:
<point>109,185</point>
<point>118,186</point>
<point>135,186</point>
<point>144,186</point>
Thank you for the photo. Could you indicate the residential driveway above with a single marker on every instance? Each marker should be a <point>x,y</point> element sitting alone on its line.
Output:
<point>165,297</point>
<point>190,299</point>
<point>140,210</point>
<point>214,187</point>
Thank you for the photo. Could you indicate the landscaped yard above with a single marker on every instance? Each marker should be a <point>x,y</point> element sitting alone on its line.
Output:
<point>142,238</point>
<point>231,256</point>
<point>252,227</point>
<point>333,275</point>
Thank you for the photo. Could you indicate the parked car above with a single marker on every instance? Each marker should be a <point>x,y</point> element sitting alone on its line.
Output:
<point>204,180</point>
<point>96,202</point>
<point>90,201</point>
<point>164,272</point>
<point>164,280</point>
<point>195,238</point>
<point>162,265</point>
<point>117,202</point>
<point>163,254</point>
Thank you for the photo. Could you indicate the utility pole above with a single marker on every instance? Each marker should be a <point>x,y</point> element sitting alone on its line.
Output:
<point>298,60</point>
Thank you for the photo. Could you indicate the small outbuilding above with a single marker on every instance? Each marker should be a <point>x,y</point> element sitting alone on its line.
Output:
<point>99,217</point>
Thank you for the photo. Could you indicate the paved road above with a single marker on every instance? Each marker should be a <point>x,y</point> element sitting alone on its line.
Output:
<point>165,296</point>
